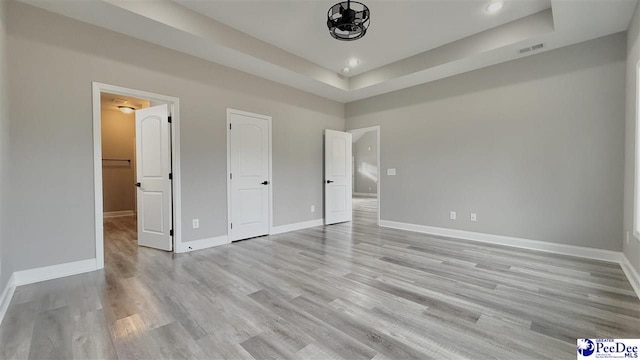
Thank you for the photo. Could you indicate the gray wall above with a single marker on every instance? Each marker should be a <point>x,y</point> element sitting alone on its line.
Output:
<point>365,153</point>
<point>632,248</point>
<point>52,201</point>
<point>535,147</point>
<point>5,265</point>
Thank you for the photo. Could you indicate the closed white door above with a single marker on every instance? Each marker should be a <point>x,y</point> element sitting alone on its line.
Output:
<point>338,175</point>
<point>153,158</point>
<point>249,176</point>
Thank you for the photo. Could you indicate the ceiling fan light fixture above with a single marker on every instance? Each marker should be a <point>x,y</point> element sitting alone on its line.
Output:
<point>348,20</point>
<point>126,109</point>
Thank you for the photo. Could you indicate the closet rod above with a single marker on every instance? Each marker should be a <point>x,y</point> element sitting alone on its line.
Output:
<point>127,160</point>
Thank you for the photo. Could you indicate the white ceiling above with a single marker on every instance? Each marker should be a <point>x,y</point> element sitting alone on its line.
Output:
<point>399,29</point>
<point>408,42</point>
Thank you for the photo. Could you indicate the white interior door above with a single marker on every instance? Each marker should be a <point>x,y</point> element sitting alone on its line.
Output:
<point>338,177</point>
<point>153,157</point>
<point>249,176</point>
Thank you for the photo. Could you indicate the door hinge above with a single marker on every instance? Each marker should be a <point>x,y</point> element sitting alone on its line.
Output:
<point>230,176</point>
<point>170,176</point>
<point>232,225</point>
<point>169,118</point>
<point>171,232</point>
<point>229,126</point>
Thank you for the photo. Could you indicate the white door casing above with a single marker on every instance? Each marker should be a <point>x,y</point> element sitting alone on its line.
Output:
<point>338,177</point>
<point>249,175</point>
<point>153,157</point>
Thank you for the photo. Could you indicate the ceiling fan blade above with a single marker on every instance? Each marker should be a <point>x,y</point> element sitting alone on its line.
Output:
<point>342,9</point>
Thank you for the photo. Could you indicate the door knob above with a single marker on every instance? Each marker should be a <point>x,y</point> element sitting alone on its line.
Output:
<point>329,181</point>
<point>265,183</point>
<point>138,184</point>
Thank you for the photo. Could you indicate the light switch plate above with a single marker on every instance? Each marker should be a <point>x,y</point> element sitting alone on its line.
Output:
<point>391,172</point>
<point>195,223</point>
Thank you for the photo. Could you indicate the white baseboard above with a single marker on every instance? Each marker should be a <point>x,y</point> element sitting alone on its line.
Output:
<point>31,276</point>
<point>222,240</point>
<point>202,244</point>
<point>366,194</point>
<point>296,226</point>
<point>7,294</point>
<point>112,214</point>
<point>632,274</point>
<point>580,251</point>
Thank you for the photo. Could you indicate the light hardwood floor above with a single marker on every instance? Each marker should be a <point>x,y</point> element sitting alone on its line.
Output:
<point>351,291</point>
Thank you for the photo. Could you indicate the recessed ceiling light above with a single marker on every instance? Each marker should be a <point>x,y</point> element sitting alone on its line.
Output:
<point>346,69</point>
<point>353,62</point>
<point>126,109</point>
<point>494,6</point>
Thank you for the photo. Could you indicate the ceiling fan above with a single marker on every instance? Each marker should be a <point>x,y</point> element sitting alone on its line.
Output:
<point>348,20</point>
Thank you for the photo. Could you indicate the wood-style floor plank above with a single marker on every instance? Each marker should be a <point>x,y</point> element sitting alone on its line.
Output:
<point>52,335</point>
<point>346,291</point>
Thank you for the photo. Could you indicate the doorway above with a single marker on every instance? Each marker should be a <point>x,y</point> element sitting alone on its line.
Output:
<point>366,173</point>
<point>136,170</point>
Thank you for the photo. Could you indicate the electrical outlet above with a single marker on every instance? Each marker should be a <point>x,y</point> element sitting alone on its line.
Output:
<point>313,208</point>
<point>391,172</point>
<point>474,217</point>
<point>452,215</point>
<point>195,223</point>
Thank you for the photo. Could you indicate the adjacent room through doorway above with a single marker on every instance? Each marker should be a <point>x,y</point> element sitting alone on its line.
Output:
<point>139,151</point>
<point>118,135</point>
<point>366,173</point>
<point>136,173</point>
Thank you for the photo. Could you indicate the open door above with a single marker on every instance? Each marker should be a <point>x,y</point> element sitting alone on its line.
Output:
<point>338,175</point>
<point>154,177</point>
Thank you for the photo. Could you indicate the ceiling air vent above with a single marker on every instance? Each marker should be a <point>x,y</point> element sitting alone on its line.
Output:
<point>119,101</point>
<point>531,48</point>
<point>524,50</point>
